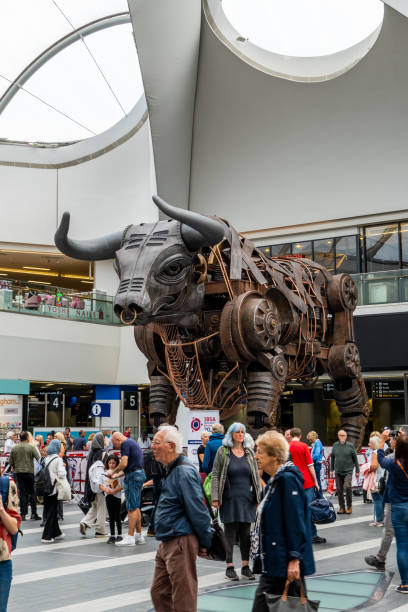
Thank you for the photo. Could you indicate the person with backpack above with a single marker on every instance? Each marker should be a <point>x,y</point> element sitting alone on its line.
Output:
<point>46,485</point>
<point>9,524</point>
<point>93,495</point>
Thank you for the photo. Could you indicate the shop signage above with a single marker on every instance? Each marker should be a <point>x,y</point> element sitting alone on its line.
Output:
<point>11,409</point>
<point>99,409</point>
<point>199,421</point>
<point>388,389</point>
<point>130,400</point>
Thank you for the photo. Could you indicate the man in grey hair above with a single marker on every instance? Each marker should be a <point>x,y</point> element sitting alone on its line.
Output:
<point>182,525</point>
<point>213,445</point>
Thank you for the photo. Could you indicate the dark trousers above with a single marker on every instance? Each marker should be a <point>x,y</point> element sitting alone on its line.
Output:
<point>25,485</point>
<point>232,530</point>
<point>113,505</point>
<point>318,469</point>
<point>51,528</point>
<point>343,487</point>
<point>274,585</point>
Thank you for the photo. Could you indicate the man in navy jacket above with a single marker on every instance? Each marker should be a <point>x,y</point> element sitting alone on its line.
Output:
<point>212,446</point>
<point>182,524</point>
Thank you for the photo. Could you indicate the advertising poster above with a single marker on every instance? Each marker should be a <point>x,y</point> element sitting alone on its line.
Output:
<point>11,410</point>
<point>199,421</point>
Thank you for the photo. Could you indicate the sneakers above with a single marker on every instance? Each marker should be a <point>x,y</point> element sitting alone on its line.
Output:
<point>349,510</point>
<point>376,524</point>
<point>231,574</point>
<point>402,589</point>
<point>83,528</point>
<point>151,533</point>
<point>35,517</point>
<point>126,540</point>
<point>139,538</point>
<point>341,511</point>
<point>246,572</point>
<point>318,540</point>
<point>374,562</point>
<point>60,537</point>
<point>100,535</point>
<point>111,540</point>
<point>118,539</point>
<point>50,541</point>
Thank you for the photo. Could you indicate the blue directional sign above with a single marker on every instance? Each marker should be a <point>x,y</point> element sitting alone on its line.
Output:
<point>100,409</point>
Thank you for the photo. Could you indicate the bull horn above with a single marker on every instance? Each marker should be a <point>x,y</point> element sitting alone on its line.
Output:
<point>196,230</point>
<point>89,250</point>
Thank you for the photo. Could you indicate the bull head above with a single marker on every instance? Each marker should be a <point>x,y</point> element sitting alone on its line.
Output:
<point>155,263</point>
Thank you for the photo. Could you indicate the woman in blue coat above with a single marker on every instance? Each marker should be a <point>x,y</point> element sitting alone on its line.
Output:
<point>283,549</point>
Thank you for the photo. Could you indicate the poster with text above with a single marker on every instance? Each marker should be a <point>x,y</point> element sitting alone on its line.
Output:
<point>200,420</point>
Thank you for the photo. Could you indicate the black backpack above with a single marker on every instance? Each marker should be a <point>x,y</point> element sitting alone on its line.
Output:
<point>151,466</point>
<point>42,481</point>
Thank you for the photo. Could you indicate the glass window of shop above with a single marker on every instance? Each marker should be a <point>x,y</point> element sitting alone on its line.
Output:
<point>303,249</point>
<point>347,255</point>
<point>404,245</point>
<point>381,247</point>
<point>324,253</point>
<point>280,250</point>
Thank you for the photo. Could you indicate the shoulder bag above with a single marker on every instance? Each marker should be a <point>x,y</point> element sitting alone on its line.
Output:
<point>219,545</point>
<point>207,481</point>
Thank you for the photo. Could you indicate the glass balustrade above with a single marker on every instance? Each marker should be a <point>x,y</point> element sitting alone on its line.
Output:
<point>374,288</point>
<point>47,301</point>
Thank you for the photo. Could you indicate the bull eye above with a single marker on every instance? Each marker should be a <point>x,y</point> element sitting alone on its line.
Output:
<point>174,268</point>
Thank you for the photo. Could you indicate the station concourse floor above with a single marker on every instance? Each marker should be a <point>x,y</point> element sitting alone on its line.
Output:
<point>78,574</point>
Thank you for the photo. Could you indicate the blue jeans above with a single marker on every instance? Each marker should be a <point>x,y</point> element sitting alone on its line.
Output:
<point>318,469</point>
<point>310,494</point>
<point>399,519</point>
<point>378,506</point>
<point>132,486</point>
<point>5,582</point>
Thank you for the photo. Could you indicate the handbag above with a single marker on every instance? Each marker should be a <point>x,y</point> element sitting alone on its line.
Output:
<point>63,489</point>
<point>322,511</point>
<point>287,603</point>
<point>84,505</point>
<point>219,546</point>
<point>207,481</point>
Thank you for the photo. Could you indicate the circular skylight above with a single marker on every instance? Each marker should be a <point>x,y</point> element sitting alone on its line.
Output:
<point>81,85</point>
<point>304,28</point>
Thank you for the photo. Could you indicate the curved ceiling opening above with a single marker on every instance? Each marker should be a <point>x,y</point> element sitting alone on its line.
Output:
<point>298,40</point>
<point>68,69</point>
<point>304,28</point>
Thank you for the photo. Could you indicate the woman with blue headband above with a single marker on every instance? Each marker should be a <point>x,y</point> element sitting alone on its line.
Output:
<point>236,490</point>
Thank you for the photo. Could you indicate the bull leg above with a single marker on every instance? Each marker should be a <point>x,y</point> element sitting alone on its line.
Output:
<point>352,401</point>
<point>162,399</point>
<point>263,390</point>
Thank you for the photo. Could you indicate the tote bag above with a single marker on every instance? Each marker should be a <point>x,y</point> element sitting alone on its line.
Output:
<point>63,489</point>
<point>287,603</point>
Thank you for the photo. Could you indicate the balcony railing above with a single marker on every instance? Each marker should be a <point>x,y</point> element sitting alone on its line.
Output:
<point>47,301</point>
<point>387,287</point>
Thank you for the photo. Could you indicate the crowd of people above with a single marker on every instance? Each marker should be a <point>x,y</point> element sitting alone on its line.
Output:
<point>262,491</point>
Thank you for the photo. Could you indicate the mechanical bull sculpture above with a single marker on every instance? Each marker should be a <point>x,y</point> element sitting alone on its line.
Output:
<point>222,324</point>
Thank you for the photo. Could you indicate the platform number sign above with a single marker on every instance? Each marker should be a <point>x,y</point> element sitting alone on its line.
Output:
<point>54,401</point>
<point>131,400</point>
<point>99,409</point>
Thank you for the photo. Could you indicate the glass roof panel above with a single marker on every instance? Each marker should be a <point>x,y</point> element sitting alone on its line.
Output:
<point>87,87</point>
<point>304,29</point>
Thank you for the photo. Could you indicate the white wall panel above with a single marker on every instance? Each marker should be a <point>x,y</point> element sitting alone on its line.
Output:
<point>132,364</point>
<point>109,192</point>
<point>27,205</point>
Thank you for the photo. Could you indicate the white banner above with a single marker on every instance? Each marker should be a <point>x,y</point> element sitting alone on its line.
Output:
<point>200,420</point>
<point>11,410</point>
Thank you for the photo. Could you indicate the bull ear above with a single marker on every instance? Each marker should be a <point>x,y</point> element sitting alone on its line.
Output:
<point>89,250</point>
<point>196,230</point>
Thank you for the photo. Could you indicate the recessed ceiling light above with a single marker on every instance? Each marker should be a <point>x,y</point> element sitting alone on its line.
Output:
<point>34,268</point>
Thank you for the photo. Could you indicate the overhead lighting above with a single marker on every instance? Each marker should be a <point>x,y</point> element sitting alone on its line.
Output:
<point>34,268</point>
<point>52,253</point>
<point>88,282</point>
<point>3,274</point>
<point>22,271</point>
<point>39,282</point>
<point>79,276</point>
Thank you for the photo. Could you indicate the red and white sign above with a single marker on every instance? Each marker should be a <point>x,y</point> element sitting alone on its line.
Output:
<point>200,420</point>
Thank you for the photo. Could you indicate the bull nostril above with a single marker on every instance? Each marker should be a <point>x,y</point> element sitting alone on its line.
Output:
<point>136,308</point>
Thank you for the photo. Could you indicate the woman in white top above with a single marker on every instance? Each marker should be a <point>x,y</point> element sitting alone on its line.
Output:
<point>56,469</point>
<point>144,440</point>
